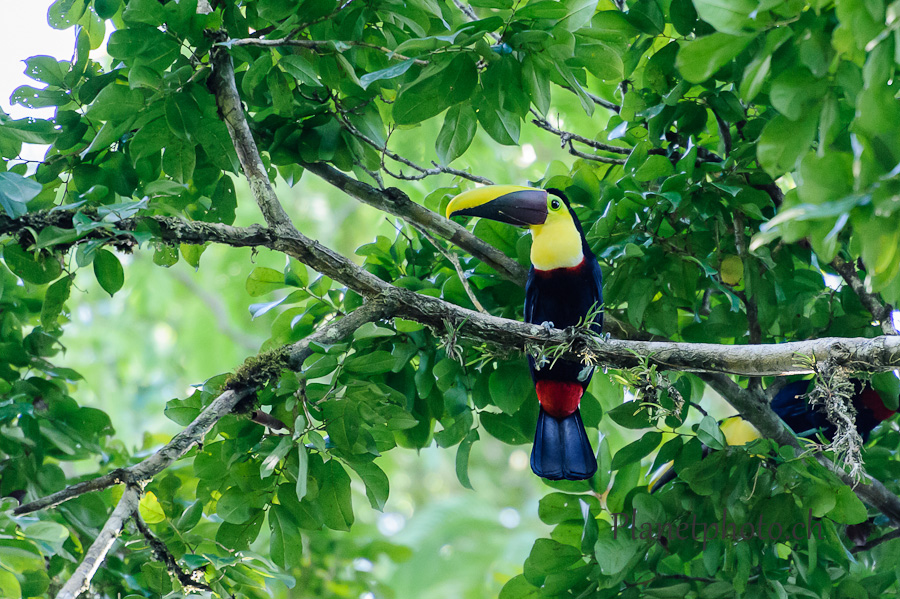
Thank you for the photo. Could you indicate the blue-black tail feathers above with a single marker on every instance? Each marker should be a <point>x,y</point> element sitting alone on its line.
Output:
<point>561,448</point>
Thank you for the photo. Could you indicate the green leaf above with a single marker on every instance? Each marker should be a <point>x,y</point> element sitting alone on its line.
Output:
<point>848,508</point>
<point>457,133</point>
<point>38,270</point>
<point>783,142</point>
<point>710,434</point>
<point>302,471</point>
<point>109,271</point>
<point>795,92</point>
<point>190,517</point>
<point>503,427</point>
<point>65,13</point>
<point>730,16</point>
<point>116,103</point>
<point>334,497</point>
<point>151,510</point>
<point>106,9</point>
<point>285,543</point>
<point>376,481</point>
<point>182,115</point>
<point>436,89</point>
<point>271,461</point>
<point>653,168</point>
<point>462,458</point>
<point>518,587</point>
<point>56,296</point>
<point>376,362</point>
<point>263,280</point>
<point>549,556</point>
<point>233,506</point>
<point>614,550</point>
<point>637,450</point>
<point>179,160</point>
<point>46,69</point>
<point>395,70</point>
<point>630,414</point>
<point>15,192</point>
<point>700,59</point>
<point>510,384</point>
<point>501,125</point>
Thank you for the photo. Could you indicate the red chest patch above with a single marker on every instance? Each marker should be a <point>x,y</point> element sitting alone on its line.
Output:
<point>567,271</point>
<point>559,398</point>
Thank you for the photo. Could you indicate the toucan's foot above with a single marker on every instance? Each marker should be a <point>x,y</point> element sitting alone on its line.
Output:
<point>605,337</point>
<point>548,324</point>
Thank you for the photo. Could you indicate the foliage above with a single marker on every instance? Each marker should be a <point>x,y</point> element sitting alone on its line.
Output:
<point>720,156</point>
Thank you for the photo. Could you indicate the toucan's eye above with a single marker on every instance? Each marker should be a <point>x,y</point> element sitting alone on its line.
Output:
<point>554,204</point>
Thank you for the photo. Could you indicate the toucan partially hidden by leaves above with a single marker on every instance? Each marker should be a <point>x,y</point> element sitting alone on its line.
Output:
<point>564,286</point>
<point>809,421</point>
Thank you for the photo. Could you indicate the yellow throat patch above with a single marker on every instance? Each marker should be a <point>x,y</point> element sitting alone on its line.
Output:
<point>557,243</point>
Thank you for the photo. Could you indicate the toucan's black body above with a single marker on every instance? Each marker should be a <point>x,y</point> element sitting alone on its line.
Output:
<point>563,286</point>
<point>563,296</point>
<point>792,406</point>
<point>808,421</point>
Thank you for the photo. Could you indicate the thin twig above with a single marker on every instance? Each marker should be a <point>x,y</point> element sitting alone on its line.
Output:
<point>423,172</point>
<point>881,312</point>
<point>894,534</point>
<point>319,45</point>
<point>566,136</point>
<point>162,554</point>
<point>456,265</point>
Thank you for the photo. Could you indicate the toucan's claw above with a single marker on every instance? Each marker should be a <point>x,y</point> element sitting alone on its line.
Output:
<point>548,325</point>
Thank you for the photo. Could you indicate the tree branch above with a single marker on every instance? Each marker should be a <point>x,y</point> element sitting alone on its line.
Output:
<point>870,301</point>
<point>567,136</point>
<point>393,201</point>
<point>423,172</point>
<point>231,110</point>
<point>291,356</point>
<point>754,408</point>
<point>318,45</point>
<point>80,580</point>
<point>162,554</point>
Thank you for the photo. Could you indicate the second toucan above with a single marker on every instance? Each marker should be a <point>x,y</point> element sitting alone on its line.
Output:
<point>564,285</point>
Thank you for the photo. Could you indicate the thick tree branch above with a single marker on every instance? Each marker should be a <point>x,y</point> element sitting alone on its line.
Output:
<point>231,110</point>
<point>393,201</point>
<point>856,354</point>
<point>80,580</point>
<point>870,301</point>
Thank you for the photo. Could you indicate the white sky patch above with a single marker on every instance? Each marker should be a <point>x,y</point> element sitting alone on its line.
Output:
<point>527,157</point>
<point>391,523</point>
<point>833,281</point>
<point>518,460</point>
<point>361,564</point>
<point>509,517</point>
<point>24,33</point>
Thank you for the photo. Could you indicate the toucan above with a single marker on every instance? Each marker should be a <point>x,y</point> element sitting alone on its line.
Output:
<point>809,421</point>
<point>564,285</point>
